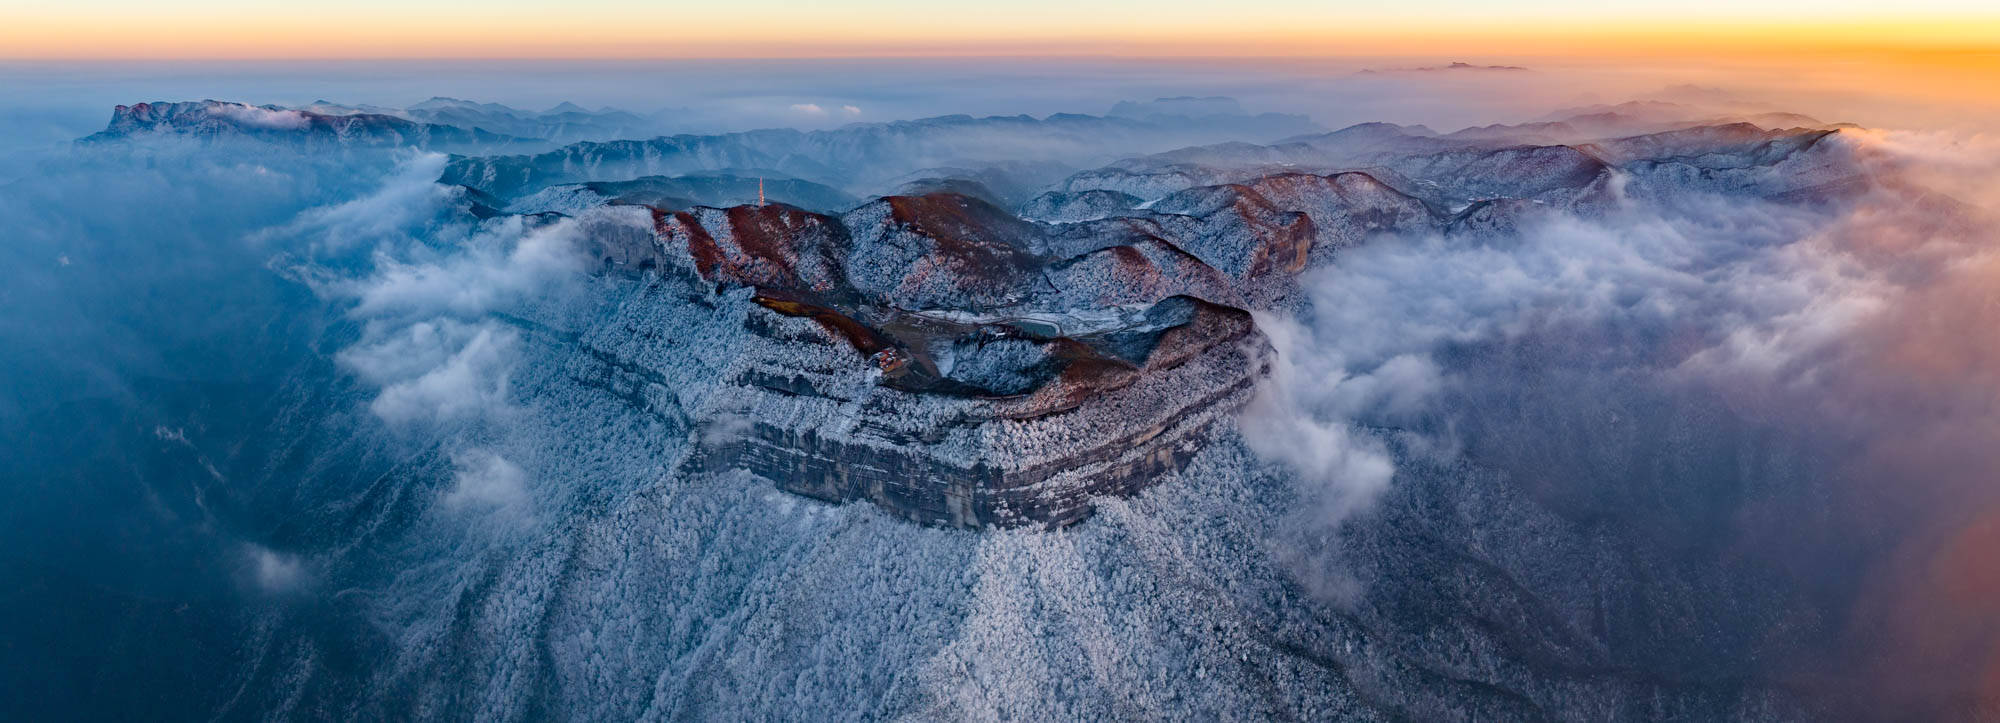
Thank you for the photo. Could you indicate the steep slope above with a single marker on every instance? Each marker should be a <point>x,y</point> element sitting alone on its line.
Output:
<point>935,355</point>
<point>212,120</point>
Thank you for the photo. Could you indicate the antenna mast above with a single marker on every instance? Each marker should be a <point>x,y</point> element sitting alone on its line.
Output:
<point>760,191</point>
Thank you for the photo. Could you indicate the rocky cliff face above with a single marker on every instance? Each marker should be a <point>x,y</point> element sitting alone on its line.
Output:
<point>940,357</point>
<point>215,120</point>
<point>959,365</point>
<point>978,461</point>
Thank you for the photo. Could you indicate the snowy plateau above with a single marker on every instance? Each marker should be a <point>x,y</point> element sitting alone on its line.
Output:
<point>1177,412</point>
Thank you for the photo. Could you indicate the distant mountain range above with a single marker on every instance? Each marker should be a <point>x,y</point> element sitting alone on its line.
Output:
<point>438,122</point>
<point>1011,157</point>
<point>1452,67</point>
<point>218,120</point>
<point>865,157</point>
<point>565,123</point>
<point>1140,151</point>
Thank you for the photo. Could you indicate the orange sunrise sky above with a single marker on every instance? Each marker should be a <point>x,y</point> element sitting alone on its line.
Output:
<point>223,29</point>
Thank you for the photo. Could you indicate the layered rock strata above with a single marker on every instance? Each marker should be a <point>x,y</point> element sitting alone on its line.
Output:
<point>952,363</point>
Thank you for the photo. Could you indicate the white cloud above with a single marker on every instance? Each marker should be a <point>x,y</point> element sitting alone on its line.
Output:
<point>809,109</point>
<point>504,263</point>
<point>402,207</point>
<point>726,429</point>
<point>426,343</point>
<point>273,571</point>
<point>1299,418</point>
<point>1365,351</point>
<point>437,371</point>
<point>431,366</point>
<point>484,480</point>
<point>255,117</point>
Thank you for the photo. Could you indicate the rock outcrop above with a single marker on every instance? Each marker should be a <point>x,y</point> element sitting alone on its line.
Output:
<point>954,364</point>
<point>216,120</point>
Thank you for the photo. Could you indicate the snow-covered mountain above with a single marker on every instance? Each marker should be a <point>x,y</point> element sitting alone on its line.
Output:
<point>436,123</point>
<point>566,122</point>
<point>863,157</point>
<point>1174,413</point>
<point>1542,161</point>
<point>958,364</point>
<point>219,120</point>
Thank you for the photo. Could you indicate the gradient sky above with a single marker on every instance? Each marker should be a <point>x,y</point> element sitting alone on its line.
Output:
<point>123,29</point>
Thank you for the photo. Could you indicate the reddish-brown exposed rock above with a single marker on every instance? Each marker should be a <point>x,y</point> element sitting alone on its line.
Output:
<point>765,247</point>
